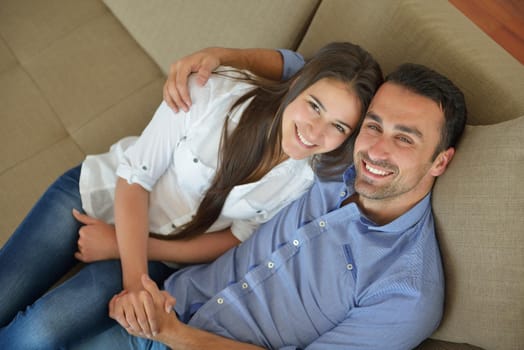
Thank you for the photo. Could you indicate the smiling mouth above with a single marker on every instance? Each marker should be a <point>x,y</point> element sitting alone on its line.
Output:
<point>303,140</point>
<point>376,171</point>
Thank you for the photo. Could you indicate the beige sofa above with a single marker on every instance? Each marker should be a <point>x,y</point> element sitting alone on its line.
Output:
<point>77,75</point>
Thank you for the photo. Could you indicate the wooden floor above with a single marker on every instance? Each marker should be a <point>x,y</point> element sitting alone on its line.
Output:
<point>502,20</point>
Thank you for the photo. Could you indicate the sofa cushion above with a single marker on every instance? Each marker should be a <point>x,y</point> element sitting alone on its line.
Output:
<point>479,211</point>
<point>168,30</point>
<point>433,33</point>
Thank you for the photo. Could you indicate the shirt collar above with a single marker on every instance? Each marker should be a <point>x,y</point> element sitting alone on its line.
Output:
<point>400,224</point>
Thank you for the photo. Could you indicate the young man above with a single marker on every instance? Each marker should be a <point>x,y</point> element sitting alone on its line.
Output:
<point>353,264</point>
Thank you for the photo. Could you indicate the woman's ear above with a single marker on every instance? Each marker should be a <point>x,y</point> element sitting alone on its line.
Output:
<point>441,162</point>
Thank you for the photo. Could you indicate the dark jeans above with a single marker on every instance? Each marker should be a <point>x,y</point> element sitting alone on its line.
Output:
<point>36,256</point>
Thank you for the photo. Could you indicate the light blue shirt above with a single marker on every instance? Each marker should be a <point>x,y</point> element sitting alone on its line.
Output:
<point>321,276</point>
<point>292,62</point>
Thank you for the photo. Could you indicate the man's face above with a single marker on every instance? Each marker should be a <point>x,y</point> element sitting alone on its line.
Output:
<point>396,144</point>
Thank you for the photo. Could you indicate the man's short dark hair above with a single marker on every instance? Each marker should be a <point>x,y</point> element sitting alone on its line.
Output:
<point>427,82</point>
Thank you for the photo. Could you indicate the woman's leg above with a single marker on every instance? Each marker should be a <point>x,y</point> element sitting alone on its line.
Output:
<point>116,338</point>
<point>75,310</point>
<point>41,249</point>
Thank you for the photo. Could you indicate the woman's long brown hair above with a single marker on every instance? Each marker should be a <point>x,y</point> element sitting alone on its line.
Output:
<point>253,148</point>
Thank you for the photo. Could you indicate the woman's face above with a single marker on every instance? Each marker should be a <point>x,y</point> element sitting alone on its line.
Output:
<point>320,119</point>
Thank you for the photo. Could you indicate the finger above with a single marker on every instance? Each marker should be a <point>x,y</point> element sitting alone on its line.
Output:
<point>79,256</point>
<point>83,218</point>
<point>131,318</point>
<point>150,310</point>
<point>151,287</point>
<point>181,85</point>
<point>203,74</point>
<point>167,97</point>
<point>116,312</point>
<point>169,302</point>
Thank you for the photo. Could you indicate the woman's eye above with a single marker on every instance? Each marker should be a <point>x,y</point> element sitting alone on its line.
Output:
<point>340,128</point>
<point>314,106</point>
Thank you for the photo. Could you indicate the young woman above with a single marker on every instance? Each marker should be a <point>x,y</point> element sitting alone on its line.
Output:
<point>244,150</point>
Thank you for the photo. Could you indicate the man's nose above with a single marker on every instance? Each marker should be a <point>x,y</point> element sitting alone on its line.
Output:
<point>379,149</point>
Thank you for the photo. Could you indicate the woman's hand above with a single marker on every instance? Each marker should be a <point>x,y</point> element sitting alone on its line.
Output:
<point>96,241</point>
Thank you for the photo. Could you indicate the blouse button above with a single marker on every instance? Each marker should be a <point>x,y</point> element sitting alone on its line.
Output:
<point>173,226</point>
<point>270,264</point>
<point>244,285</point>
<point>144,167</point>
<point>322,223</point>
<point>349,267</point>
<point>296,242</point>
<point>195,160</point>
<point>220,301</point>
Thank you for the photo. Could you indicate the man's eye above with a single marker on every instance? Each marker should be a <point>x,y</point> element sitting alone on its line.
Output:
<point>372,127</point>
<point>404,139</point>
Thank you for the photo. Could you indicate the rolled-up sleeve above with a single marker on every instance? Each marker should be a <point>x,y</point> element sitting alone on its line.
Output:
<point>152,153</point>
<point>293,62</point>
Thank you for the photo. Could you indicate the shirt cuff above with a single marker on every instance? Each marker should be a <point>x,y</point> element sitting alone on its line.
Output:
<point>135,176</point>
<point>293,62</point>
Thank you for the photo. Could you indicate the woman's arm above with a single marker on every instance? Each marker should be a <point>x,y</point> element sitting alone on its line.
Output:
<point>202,249</point>
<point>97,241</point>
<point>131,225</point>
<point>263,62</point>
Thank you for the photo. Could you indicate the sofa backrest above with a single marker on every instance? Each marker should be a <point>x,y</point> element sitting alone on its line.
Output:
<point>204,23</point>
<point>433,33</point>
<point>479,201</point>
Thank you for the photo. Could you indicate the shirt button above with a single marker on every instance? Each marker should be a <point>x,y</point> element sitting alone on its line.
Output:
<point>322,223</point>
<point>270,264</point>
<point>349,267</point>
<point>296,242</point>
<point>220,301</point>
<point>244,285</point>
<point>144,167</point>
<point>195,160</point>
<point>173,226</point>
<point>342,194</point>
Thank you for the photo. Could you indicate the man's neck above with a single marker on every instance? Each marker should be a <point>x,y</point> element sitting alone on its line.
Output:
<point>382,211</point>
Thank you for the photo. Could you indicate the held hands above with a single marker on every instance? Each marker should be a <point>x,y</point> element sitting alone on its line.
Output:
<point>96,241</point>
<point>176,93</point>
<point>145,313</point>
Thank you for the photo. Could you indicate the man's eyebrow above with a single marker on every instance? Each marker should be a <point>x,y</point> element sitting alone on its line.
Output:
<point>317,101</point>
<point>404,128</point>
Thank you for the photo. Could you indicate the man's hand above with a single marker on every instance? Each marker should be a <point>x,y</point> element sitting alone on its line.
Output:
<point>145,313</point>
<point>203,63</point>
<point>96,241</point>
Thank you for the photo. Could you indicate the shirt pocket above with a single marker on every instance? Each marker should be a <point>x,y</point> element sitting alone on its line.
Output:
<point>191,173</point>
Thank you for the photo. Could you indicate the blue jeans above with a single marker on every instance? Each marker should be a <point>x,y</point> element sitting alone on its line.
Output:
<point>116,338</point>
<point>37,255</point>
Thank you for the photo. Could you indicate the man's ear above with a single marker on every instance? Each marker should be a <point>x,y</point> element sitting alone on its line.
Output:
<point>441,162</point>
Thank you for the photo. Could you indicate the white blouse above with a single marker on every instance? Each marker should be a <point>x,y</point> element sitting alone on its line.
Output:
<point>175,159</point>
